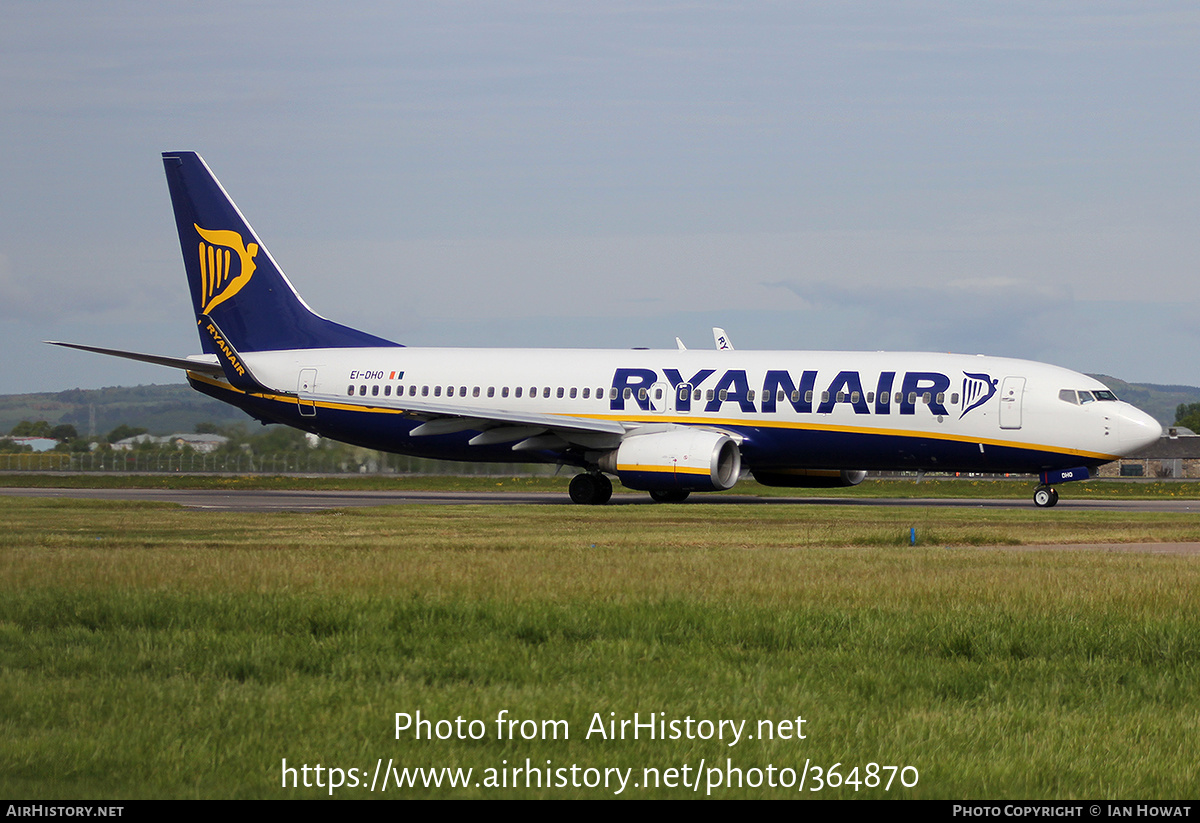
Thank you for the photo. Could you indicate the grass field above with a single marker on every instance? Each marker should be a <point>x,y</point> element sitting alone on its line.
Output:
<point>151,651</point>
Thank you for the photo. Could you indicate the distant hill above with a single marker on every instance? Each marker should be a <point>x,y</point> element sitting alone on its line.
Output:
<point>1157,401</point>
<point>168,409</point>
<point>159,409</point>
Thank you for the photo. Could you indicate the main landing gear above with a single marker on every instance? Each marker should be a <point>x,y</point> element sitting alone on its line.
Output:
<point>1044,497</point>
<point>590,489</point>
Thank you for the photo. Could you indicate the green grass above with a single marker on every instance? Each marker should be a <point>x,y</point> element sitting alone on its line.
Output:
<point>150,651</point>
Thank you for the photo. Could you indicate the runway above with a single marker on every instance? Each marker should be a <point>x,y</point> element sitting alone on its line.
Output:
<point>296,500</point>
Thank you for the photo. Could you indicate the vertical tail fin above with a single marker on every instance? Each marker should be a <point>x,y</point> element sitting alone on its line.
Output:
<point>233,278</point>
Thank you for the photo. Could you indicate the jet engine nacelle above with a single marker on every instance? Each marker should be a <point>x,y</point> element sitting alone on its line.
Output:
<point>683,459</point>
<point>811,478</point>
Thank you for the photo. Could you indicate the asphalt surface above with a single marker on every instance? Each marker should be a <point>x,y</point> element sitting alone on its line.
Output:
<point>296,500</point>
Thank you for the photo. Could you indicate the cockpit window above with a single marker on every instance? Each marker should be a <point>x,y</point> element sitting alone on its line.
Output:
<point>1084,397</point>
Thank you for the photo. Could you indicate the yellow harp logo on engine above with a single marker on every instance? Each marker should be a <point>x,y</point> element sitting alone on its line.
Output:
<point>221,277</point>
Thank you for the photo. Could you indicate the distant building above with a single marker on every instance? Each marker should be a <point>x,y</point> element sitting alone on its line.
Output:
<point>1176,455</point>
<point>202,443</point>
<point>38,444</point>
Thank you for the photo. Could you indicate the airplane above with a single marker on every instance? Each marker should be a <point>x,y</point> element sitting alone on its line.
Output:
<point>668,422</point>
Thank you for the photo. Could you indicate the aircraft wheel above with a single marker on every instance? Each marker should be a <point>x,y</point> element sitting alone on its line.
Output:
<point>590,489</point>
<point>1044,497</point>
<point>603,490</point>
<point>668,495</point>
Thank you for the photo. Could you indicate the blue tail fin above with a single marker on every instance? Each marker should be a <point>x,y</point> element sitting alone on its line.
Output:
<point>233,278</point>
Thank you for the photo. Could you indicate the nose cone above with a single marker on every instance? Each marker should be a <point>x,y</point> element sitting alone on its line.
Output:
<point>1136,430</point>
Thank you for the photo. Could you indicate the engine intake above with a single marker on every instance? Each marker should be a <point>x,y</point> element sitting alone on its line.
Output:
<point>684,459</point>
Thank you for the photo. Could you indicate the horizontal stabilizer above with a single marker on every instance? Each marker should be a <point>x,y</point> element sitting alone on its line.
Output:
<point>204,363</point>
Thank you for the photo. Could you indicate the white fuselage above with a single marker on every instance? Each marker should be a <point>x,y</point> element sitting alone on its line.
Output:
<point>787,408</point>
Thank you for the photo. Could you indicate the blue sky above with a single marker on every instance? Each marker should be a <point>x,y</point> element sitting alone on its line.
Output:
<point>1012,178</point>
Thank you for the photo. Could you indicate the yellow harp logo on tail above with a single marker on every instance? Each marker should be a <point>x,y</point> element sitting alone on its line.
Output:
<point>218,279</point>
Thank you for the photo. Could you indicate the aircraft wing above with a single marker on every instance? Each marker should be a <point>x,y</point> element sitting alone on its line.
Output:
<point>527,430</point>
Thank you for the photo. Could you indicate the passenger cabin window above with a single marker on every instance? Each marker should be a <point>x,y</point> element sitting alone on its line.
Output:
<point>350,391</point>
<point>375,391</point>
<point>587,392</point>
<point>954,399</point>
<point>387,391</point>
<point>362,390</point>
<point>573,392</point>
<point>516,391</point>
<point>559,393</point>
<point>546,392</point>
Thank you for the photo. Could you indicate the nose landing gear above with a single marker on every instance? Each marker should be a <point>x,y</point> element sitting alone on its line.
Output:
<point>1044,497</point>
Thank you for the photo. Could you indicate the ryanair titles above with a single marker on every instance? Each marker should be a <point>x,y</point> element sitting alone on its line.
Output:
<point>224,348</point>
<point>806,392</point>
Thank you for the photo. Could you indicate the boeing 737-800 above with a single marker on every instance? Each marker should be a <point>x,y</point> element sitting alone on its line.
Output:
<point>668,422</point>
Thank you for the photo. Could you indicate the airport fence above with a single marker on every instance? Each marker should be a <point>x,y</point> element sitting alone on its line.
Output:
<point>243,463</point>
